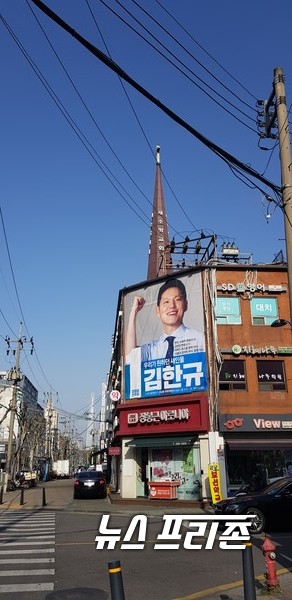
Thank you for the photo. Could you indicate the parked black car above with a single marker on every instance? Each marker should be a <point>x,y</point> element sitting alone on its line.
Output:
<point>90,484</point>
<point>79,469</point>
<point>272,506</point>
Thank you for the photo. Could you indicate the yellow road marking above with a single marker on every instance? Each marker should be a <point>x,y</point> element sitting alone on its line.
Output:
<point>227,586</point>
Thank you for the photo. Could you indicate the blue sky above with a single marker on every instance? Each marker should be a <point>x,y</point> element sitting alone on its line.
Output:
<point>77,215</point>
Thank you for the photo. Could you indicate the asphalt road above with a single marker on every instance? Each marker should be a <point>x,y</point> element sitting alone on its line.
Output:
<point>149,574</point>
<point>79,571</point>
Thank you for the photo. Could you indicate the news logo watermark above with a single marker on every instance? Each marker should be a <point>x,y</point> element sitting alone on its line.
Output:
<point>192,532</point>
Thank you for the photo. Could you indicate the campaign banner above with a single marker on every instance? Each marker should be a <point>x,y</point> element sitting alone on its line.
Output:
<point>215,482</point>
<point>164,339</point>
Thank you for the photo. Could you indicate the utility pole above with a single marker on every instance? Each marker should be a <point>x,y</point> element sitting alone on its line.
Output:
<point>286,176</point>
<point>275,108</point>
<point>15,376</point>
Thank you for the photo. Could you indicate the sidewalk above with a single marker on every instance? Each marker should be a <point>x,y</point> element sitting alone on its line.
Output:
<point>58,495</point>
<point>50,495</point>
<point>235,591</point>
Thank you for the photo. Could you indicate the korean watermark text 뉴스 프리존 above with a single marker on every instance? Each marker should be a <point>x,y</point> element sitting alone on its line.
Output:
<point>233,536</point>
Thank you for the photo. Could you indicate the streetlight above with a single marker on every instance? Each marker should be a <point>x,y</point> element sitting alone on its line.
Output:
<point>281,323</point>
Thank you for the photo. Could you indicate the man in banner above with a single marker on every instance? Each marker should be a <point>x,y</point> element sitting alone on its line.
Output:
<point>171,306</point>
<point>167,351</point>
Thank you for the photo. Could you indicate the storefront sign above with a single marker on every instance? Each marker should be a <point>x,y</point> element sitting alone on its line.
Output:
<point>215,482</point>
<point>250,287</point>
<point>114,451</point>
<point>174,416</point>
<point>236,349</point>
<point>156,416</point>
<point>252,350</point>
<point>115,395</point>
<point>238,423</point>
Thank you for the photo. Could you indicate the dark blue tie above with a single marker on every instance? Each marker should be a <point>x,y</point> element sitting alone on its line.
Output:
<point>170,339</point>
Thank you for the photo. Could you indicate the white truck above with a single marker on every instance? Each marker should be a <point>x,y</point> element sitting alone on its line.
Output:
<point>61,469</point>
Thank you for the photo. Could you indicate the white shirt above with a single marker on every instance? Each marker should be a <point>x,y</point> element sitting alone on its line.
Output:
<point>187,341</point>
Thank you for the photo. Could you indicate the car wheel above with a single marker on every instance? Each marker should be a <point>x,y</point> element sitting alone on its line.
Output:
<point>258,522</point>
<point>76,496</point>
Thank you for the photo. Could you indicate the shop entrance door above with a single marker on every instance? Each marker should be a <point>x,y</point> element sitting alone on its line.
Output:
<point>181,465</point>
<point>142,472</point>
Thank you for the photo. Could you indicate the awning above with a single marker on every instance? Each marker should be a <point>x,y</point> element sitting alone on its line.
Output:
<point>259,444</point>
<point>161,442</point>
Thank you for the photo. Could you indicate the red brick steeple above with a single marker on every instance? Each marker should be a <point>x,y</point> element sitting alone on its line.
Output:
<point>159,261</point>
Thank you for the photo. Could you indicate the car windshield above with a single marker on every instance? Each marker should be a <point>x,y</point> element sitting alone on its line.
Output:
<point>90,475</point>
<point>276,485</point>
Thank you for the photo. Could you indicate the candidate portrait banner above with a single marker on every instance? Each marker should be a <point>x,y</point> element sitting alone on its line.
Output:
<point>158,376</point>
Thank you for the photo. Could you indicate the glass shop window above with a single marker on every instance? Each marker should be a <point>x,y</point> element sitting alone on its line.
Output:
<point>232,375</point>
<point>271,375</point>
<point>227,311</point>
<point>263,310</point>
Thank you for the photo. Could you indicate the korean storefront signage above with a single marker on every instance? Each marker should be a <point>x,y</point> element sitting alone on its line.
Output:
<point>252,350</point>
<point>175,416</point>
<point>240,423</point>
<point>115,395</point>
<point>158,416</point>
<point>114,451</point>
<point>250,287</point>
<point>215,482</point>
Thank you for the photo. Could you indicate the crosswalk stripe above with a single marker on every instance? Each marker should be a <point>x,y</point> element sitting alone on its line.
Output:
<point>25,517</point>
<point>32,526</point>
<point>27,526</point>
<point>18,561</point>
<point>24,572</point>
<point>30,551</point>
<point>21,518</point>
<point>26,587</point>
<point>36,542</point>
<point>25,539</point>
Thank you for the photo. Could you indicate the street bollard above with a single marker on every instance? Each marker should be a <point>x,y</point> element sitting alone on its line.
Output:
<point>116,580</point>
<point>21,496</point>
<point>1,494</point>
<point>44,497</point>
<point>248,573</point>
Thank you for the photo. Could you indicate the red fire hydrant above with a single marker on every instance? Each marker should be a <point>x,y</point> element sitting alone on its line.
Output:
<point>269,552</point>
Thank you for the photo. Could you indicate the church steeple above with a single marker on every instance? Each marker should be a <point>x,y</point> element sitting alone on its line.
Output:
<point>159,260</point>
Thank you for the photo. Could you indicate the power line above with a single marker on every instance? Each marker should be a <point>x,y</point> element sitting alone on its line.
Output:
<point>11,267</point>
<point>141,127</point>
<point>84,140</point>
<point>185,67</point>
<point>206,51</point>
<point>190,54</point>
<point>92,117</point>
<point>117,69</point>
<point>17,294</point>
